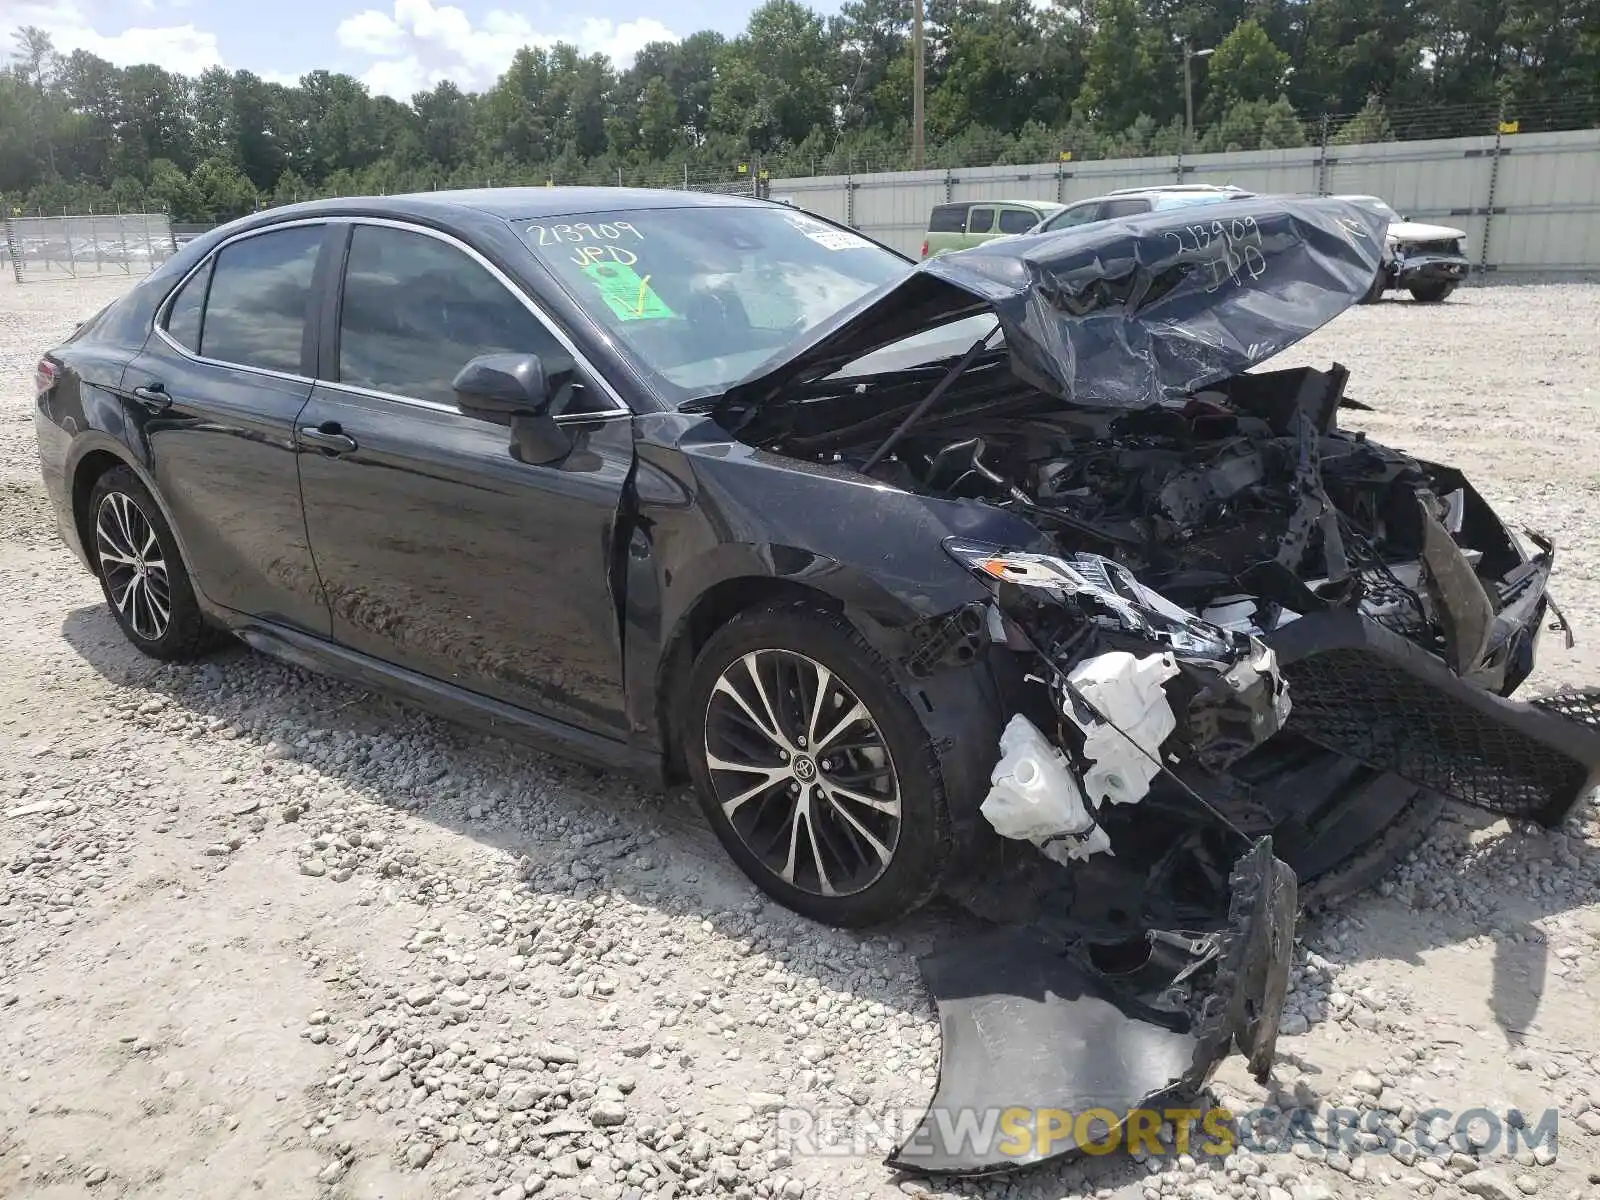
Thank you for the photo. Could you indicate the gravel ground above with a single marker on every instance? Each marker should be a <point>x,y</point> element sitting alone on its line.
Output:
<point>262,933</point>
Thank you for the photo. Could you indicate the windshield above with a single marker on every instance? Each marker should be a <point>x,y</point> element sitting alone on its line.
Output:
<point>1376,205</point>
<point>702,296</point>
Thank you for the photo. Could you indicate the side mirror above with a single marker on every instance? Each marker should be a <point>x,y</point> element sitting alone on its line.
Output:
<point>512,389</point>
<point>498,387</point>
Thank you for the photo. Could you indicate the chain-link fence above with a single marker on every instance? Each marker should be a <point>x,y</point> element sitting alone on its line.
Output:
<point>74,246</point>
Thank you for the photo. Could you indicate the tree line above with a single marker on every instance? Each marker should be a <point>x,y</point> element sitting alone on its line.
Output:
<point>1006,81</point>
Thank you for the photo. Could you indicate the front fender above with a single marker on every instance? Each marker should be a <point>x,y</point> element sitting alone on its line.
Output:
<point>705,512</point>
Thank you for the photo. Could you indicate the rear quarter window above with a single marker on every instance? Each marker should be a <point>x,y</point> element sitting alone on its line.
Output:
<point>948,218</point>
<point>183,315</point>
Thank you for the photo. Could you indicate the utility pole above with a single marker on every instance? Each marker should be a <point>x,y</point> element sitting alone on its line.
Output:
<point>916,85</point>
<point>1188,91</point>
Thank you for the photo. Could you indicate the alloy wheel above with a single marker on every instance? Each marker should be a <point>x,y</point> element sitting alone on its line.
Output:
<point>802,772</point>
<point>133,565</point>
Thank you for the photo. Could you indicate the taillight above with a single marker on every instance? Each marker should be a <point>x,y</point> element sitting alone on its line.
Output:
<point>44,376</point>
<point>924,247</point>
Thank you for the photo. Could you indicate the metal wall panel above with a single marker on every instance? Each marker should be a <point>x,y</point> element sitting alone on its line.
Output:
<point>1544,189</point>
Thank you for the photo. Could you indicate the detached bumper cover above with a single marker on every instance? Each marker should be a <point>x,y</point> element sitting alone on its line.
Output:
<point>1371,694</point>
<point>1042,1051</point>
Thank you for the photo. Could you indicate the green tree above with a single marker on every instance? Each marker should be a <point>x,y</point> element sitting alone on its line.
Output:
<point>659,129</point>
<point>221,190</point>
<point>170,191</point>
<point>1371,124</point>
<point>1245,67</point>
<point>1119,82</point>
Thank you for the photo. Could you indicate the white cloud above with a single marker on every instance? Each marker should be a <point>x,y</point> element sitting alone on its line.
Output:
<point>420,44</point>
<point>71,28</point>
<point>621,42</point>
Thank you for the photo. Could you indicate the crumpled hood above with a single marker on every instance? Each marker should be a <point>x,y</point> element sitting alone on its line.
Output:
<point>1122,313</point>
<point>1406,232</point>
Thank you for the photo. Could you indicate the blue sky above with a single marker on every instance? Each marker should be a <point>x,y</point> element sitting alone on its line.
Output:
<point>395,46</point>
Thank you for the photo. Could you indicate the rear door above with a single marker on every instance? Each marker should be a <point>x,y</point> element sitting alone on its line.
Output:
<point>225,375</point>
<point>441,553</point>
<point>980,224</point>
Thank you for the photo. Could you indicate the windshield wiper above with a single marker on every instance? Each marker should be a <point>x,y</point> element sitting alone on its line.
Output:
<point>932,398</point>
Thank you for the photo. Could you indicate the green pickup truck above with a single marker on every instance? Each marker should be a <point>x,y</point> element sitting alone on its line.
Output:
<point>969,223</point>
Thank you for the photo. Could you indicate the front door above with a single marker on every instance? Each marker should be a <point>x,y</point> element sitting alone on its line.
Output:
<point>439,551</point>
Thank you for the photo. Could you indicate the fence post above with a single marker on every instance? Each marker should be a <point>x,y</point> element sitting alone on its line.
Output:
<point>1494,179</point>
<point>686,176</point>
<point>849,200</point>
<point>72,254</point>
<point>1322,158</point>
<point>14,248</point>
<point>949,185</point>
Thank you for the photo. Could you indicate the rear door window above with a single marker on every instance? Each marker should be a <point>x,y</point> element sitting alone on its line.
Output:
<point>255,313</point>
<point>948,218</point>
<point>981,221</point>
<point>1017,220</point>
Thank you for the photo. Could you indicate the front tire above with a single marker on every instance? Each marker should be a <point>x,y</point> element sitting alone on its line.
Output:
<point>813,768</point>
<point>145,584</point>
<point>1431,293</point>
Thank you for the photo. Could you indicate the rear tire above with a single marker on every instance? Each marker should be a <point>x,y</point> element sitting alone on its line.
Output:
<point>141,573</point>
<point>1431,293</point>
<point>813,768</point>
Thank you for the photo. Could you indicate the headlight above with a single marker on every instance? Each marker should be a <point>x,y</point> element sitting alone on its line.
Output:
<point>1106,585</point>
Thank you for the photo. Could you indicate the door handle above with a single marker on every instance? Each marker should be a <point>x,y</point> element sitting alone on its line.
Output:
<point>328,437</point>
<point>153,397</point>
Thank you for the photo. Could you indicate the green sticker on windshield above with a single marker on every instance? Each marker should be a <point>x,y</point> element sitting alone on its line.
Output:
<point>626,292</point>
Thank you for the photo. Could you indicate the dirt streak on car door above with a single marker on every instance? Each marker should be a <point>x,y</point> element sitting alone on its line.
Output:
<point>443,554</point>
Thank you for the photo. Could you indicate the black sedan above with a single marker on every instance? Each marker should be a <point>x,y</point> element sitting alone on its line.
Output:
<point>1007,558</point>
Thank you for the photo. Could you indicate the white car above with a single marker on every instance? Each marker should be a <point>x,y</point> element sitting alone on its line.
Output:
<point>1429,261</point>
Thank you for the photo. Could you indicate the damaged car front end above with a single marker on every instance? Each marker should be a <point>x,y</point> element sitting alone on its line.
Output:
<point>1245,654</point>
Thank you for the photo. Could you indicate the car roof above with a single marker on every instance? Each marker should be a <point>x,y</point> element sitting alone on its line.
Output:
<point>521,203</point>
<point>988,202</point>
<point>1156,188</point>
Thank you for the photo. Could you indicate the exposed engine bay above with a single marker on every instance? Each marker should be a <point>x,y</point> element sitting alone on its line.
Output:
<point>1247,506</point>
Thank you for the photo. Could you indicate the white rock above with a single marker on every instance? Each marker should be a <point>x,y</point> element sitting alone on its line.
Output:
<point>1489,1184</point>
<point>418,1154</point>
